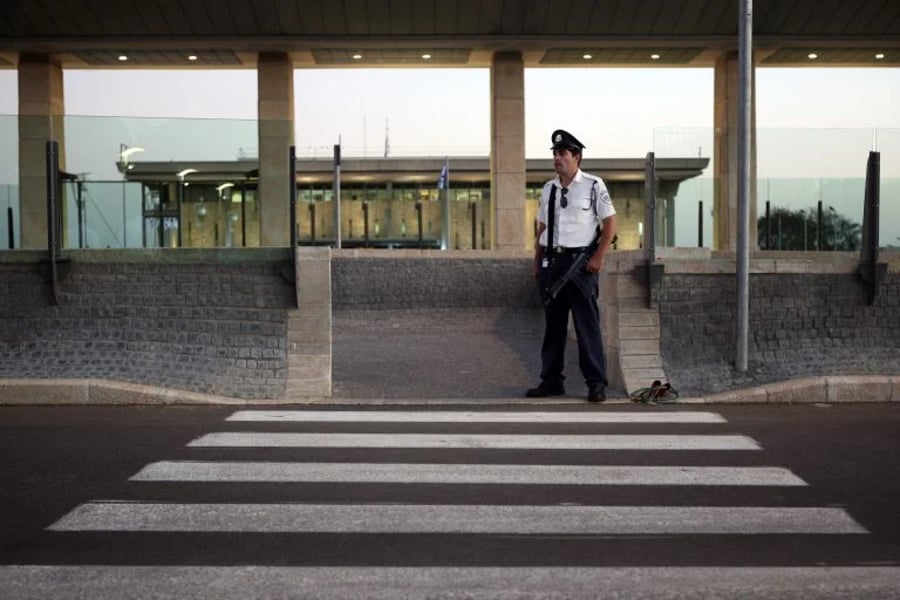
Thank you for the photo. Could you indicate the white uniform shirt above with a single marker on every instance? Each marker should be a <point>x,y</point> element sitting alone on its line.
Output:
<point>588,204</point>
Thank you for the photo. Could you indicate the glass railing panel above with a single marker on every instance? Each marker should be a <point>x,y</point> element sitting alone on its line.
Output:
<point>9,217</point>
<point>888,145</point>
<point>693,214</point>
<point>100,148</point>
<point>811,153</point>
<point>684,216</point>
<point>810,214</point>
<point>889,225</point>
<point>683,142</point>
<point>102,214</point>
<point>9,181</point>
<point>791,165</point>
<point>797,170</point>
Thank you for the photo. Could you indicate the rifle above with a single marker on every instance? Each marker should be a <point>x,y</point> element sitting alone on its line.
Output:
<point>577,265</point>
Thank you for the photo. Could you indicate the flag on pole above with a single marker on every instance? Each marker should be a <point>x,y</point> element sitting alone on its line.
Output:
<point>444,179</point>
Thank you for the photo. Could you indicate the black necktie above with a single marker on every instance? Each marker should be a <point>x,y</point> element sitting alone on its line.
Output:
<point>551,218</point>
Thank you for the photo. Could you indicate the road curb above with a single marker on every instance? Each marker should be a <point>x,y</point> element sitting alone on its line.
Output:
<point>92,392</point>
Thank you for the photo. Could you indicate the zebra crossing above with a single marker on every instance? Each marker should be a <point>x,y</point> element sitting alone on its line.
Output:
<point>289,448</point>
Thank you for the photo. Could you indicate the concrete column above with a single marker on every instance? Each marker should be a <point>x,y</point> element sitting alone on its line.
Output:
<point>275,83</point>
<point>508,151</point>
<point>41,109</point>
<point>726,155</point>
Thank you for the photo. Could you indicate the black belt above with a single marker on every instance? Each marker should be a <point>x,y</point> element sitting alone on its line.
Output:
<point>564,250</point>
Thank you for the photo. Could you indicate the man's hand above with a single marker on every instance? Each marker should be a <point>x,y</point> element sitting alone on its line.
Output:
<point>608,233</point>
<point>595,264</point>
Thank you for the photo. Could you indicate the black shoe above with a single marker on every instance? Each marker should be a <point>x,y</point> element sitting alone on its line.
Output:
<point>596,393</point>
<point>546,389</point>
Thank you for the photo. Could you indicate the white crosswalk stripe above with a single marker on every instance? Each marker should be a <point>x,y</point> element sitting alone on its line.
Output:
<point>410,518</point>
<point>39,582</point>
<point>257,459</point>
<point>457,416</point>
<point>283,472</point>
<point>511,442</point>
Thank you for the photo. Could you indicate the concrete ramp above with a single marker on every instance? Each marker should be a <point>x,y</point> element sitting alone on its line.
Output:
<point>458,325</point>
<point>435,353</point>
<point>441,353</point>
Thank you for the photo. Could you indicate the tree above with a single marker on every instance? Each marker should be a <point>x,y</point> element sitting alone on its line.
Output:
<point>796,230</point>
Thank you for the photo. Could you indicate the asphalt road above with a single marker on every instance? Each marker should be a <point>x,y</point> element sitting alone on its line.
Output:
<point>736,501</point>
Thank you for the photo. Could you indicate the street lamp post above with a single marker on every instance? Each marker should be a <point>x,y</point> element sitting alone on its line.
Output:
<point>181,175</point>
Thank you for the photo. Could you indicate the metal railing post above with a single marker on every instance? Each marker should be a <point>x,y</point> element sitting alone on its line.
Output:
<point>53,214</point>
<point>292,173</point>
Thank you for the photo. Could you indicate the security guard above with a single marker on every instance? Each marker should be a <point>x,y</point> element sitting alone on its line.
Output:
<point>573,206</point>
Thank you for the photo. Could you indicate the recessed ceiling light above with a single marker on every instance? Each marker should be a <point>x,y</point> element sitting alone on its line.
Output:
<point>812,56</point>
<point>426,56</point>
<point>879,56</point>
<point>587,56</point>
<point>192,57</point>
<point>123,58</point>
<point>654,56</point>
<point>357,56</point>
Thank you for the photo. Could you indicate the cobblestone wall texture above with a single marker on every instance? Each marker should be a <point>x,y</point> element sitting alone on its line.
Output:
<point>800,325</point>
<point>409,283</point>
<point>214,328</point>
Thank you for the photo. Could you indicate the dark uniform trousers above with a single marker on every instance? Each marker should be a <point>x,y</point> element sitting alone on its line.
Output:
<point>586,318</point>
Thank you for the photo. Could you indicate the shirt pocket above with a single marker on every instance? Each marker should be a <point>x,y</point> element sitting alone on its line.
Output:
<point>585,210</point>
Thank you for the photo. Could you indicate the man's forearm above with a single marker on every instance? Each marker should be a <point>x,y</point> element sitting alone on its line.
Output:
<point>607,235</point>
<point>538,249</point>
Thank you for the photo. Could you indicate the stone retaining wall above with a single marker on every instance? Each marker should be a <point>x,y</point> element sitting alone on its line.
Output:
<point>372,280</point>
<point>801,324</point>
<point>180,320</point>
<point>227,323</point>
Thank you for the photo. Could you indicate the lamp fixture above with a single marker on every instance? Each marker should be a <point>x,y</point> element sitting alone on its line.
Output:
<point>426,56</point>
<point>192,57</point>
<point>357,56</point>
<point>224,186</point>
<point>587,56</point>
<point>122,58</point>
<point>654,56</point>
<point>879,56</point>
<point>126,151</point>
<point>185,173</point>
<point>812,56</point>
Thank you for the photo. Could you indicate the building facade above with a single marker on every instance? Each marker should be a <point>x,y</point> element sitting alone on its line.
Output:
<point>384,202</point>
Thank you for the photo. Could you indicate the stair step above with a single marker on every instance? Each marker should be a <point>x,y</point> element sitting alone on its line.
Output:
<point>639,333</point>
<point>633,304</point>
<point>630,347</point>
<point>642,361</point>
<point>630,287</point>
<point>647,318</point>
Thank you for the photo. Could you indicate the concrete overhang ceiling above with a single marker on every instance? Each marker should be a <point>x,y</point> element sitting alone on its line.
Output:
<point>445,33</point>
